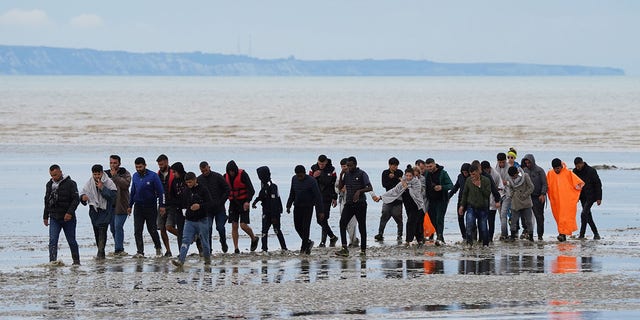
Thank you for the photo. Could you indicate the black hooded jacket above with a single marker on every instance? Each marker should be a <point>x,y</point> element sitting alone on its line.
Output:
<point>592,190</point>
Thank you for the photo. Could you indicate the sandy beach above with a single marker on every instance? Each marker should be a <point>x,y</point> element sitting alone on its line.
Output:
<point>581,279</point>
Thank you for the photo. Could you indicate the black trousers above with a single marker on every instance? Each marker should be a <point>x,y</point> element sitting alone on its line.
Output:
<point>359,210</point>
<point>302,221</point>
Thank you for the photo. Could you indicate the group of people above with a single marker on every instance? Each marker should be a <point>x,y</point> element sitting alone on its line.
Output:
<point>186,205</point>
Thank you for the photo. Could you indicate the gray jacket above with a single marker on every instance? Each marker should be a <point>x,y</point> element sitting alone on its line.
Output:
<point>520,189</point>
<point>538,176</point>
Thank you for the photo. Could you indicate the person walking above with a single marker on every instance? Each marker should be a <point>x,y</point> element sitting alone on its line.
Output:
<point>60,202</point>
<point>520,187</point>
<point>122,179</point>
<point>591,193</point>
<point>197,199</point>
<point>304,194</point>
<point>145,200</point>
<point>390,179</point>
<point>539,194</point>
<point>219,190</point>
<point>564,192</point>
<point>475,203</point>
<point>325,174</point>
<point>241,192</point>
<point>99,193</point>
<point>438,184</point>
<point>269,197</point>
<point>356,183</point>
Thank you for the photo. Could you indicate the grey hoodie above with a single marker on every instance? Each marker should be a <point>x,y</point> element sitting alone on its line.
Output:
<point>538,176</point>
<point>415,190</point>
<point>520,190</point>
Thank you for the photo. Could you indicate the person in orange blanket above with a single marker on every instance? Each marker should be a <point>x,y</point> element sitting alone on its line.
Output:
<point>564,192</point>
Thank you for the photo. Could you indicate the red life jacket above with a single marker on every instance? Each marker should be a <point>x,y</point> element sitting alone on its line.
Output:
<point>238,187</point>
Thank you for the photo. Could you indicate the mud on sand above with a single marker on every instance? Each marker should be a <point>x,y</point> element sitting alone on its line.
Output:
<point>598,278</point>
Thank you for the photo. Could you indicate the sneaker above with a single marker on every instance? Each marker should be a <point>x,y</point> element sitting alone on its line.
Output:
<point>540,238</point>
<point>581,237</point>
<point>322,245</point>
<point>503,238</point>
<point>439,242</point>
<point>158,252</point>
<point>177,262</point>
<point>225,247</point>
<point>76,263</point>
<point>399,238</point>
<point>138,255</point>
<point>308,251</point>
<point>511,238</point>
<point>121,254</point>
<point>207,261</point>
<point>562,238</point>
<point>523,235</point>
<point>379,237</point>
<point>596,237</point>
<point>355,243</point>
<point>237,251</point>
<point>167,254</point>
<point>254,243</point>
<point>363,253</point>
<point>344,252</point>
<point>332,241</point>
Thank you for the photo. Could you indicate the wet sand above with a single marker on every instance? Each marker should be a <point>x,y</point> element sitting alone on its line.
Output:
<point>576,279</point>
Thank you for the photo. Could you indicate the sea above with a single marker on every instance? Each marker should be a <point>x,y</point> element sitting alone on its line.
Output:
<point>280,122</point>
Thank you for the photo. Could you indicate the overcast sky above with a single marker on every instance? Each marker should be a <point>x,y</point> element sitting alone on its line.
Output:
<point>581,32</point>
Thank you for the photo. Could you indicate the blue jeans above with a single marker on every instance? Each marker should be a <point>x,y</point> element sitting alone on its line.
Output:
<point>481,216</point>
<point>191,229</point>
<point>69,228</point>
<point>117,230</point>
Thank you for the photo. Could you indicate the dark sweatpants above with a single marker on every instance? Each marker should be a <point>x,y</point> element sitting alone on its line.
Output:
<point>359,210</point>
<point>302,220</point>
<point>149,215</point>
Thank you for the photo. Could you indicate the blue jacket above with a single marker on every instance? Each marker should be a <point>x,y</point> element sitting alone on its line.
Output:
<point>146,189</point>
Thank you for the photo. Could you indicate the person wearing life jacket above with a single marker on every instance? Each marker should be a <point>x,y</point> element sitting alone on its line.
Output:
<point>240,194</point>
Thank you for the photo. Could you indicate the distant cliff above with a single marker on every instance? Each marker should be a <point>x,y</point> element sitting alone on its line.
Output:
<point>27,60</point>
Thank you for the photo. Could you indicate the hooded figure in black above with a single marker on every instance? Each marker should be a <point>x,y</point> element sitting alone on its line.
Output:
<point>271,207</point>
<point>591,193</point>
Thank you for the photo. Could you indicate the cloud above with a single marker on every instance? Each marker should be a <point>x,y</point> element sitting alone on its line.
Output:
<point>86,21</point>
<point>25,18</point>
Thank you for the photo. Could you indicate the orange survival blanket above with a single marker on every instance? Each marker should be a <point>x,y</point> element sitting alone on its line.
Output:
<point>564,192</point>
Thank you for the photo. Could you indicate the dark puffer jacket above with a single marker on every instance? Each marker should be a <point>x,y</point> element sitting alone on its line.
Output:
<point>64,200</point>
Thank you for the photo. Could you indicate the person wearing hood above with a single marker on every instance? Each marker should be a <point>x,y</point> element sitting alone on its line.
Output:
<point>459,187</point>
<point>60,203</point>
<point>122,179</point>
<point>325,174</point>
<point>438,184</point>
<point>269,197</point>
<point>564,192</point>
<point>475,203</point>
<point>539,194</point>
<point>99,193</point>
<point>591,193</point>
<point>240,194</point>
<point>409,190</point>
<point>304,195</point>
<point>519,186</point>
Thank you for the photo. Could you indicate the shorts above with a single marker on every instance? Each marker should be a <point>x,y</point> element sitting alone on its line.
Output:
<point>169,218</point>
<point>237,213</point>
